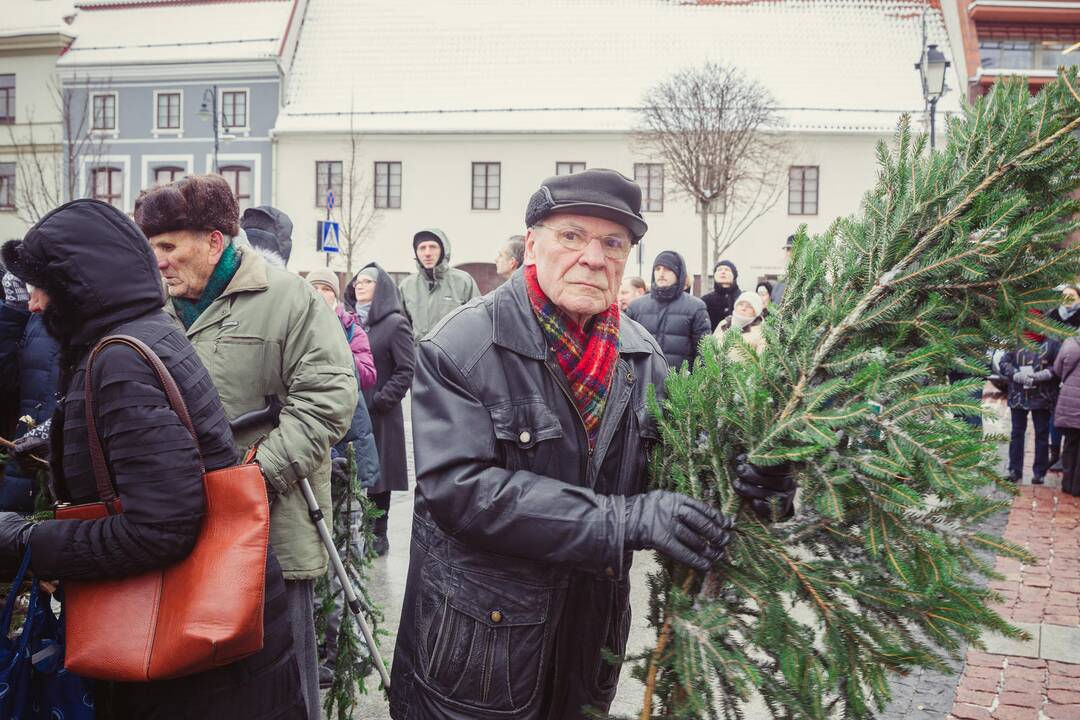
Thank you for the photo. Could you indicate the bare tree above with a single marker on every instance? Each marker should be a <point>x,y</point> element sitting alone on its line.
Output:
<point>50,154</point>
<point>356,210</point>
<point>715,129</point>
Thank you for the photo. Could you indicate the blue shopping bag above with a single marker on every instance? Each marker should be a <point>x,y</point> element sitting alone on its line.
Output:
<point>56,694</point>
<point>15,665</point>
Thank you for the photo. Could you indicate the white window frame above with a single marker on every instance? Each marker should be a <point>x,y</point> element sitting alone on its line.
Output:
<point>254,160</point>
<point>150,163</point>
<point>244,130</point>
<point>571,163</point>
<point>472,186</point>
<point>103,160</point>
<point>104,132</point>
<point>158,131</point>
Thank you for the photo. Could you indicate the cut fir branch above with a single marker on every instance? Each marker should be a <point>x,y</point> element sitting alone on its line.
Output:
<point>881,570</point>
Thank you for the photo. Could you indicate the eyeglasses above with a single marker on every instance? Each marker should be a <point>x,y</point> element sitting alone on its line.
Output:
<point>363,282</point>
<point>615,247</point>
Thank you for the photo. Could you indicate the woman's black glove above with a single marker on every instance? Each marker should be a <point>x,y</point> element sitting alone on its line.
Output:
<point>769,490</point>
<point>683,529</point>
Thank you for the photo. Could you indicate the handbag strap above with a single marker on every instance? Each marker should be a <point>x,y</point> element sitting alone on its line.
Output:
<point>9,604</point>
<point>106,491</point>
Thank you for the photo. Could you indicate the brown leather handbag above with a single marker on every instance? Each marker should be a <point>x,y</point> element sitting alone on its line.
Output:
<point>200,613</point>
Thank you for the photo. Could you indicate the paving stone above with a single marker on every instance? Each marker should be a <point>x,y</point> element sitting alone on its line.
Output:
<point>1060,643</point>
<point>1001,645</point>
<point>964,711</point>
<point>1067,669</point>
<point>1061,712</point>
<point>1027,700</point>
<point>1011,712</point>
<point>1027,662</point>
<point>1064,697</point>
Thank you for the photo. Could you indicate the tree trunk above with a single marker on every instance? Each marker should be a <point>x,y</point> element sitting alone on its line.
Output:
<point>702,208</point>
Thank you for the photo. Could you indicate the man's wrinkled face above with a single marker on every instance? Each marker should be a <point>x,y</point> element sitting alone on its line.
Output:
<point>428,253</point>
<point>664,276</point>
<point>581,282</point>
<point>724,276</point>
<point>186,259</point>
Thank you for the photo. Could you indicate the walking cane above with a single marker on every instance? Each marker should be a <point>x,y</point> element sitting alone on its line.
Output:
<point>269,414</point>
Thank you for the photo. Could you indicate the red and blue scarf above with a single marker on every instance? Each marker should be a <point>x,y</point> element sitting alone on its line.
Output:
<point>587,356</point>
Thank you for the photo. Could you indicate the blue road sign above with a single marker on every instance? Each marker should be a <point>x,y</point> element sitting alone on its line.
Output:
<point>330,200</point>
<point>331,237</point>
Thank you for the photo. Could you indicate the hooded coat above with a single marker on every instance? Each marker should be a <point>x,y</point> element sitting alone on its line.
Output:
<point>29,368</point>
<point>391,340</point>
<point>678,321</point>
<point>1067,368</point>
<point>721,300</point>
<point>430,295</point>
<point>270,231</point>
<point>102,279</point>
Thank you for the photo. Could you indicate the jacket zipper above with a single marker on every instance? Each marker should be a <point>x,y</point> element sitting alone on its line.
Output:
<point>560,380</point>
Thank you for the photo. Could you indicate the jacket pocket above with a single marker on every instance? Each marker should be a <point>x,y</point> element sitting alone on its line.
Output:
<point>523,430</point>
<point>242,371</point>
<point>641,436</point>
<point>485,640</point>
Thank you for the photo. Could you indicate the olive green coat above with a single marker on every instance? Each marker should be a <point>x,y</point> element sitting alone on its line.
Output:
<point>270,334</point>
<point>430,297</point>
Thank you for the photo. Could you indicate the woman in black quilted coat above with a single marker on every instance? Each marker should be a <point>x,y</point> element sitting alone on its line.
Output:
<point>95,275</point>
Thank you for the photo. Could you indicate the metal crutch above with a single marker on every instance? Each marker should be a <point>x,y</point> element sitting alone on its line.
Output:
<point>269,415</point>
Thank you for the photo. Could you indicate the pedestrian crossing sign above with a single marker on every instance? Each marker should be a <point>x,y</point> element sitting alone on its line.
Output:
<point>329,236</point>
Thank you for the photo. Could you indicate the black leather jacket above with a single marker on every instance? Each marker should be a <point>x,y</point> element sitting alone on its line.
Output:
<point>517,575</point>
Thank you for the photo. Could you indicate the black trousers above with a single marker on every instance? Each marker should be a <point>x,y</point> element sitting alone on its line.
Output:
<point>1041,420</point>
<point>1070,461</point>
<point>382,501</point>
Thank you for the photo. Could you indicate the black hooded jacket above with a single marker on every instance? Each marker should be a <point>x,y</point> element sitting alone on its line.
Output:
<point>269,230</point>
<point>677,320</point>
<point>392,346</point>
<point>721,300</point>
<point>101,278</point>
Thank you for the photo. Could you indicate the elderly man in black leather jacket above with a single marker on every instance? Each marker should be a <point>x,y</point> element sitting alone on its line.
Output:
<point>531,432</point>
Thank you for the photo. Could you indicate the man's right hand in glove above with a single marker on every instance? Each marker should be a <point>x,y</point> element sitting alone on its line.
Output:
<point>682,529</point>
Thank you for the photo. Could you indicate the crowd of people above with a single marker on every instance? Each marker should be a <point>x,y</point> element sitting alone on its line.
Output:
<point>529,420</point>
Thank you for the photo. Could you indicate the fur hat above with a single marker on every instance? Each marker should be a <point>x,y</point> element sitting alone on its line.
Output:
<point>198,202</point>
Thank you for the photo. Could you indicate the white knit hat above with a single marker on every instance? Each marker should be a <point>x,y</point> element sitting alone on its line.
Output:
<point>754,299</point>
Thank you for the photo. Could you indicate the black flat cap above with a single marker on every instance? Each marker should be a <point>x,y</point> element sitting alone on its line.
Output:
<point>598,193</point>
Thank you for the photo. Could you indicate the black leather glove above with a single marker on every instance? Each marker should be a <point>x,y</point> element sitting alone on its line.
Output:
<point>338,475</point>
<point>15,531</point>
<point>683,529</point>
<point>769,490</point>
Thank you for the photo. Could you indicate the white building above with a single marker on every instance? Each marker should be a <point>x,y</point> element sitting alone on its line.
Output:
<point>32,35</point>
<point>462,107</point>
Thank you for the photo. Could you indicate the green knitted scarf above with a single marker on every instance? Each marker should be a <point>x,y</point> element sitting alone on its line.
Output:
<point>189,310</point>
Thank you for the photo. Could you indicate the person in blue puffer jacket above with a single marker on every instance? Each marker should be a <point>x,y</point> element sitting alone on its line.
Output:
<point>29,369</point>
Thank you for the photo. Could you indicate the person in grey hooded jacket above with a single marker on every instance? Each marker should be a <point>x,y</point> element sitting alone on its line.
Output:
<point>436,288</point>
<point>678,321</point>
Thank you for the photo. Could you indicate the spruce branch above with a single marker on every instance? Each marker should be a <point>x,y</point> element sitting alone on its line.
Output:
<point>882,569</point>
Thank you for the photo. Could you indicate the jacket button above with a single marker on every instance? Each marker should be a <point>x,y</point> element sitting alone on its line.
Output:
<point>496,616</point>
<point>524,437</point>
<point>610,572</point>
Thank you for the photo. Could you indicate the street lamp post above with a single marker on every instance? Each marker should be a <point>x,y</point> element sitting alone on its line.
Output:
<point>209,111</point>
<point>932,66</point>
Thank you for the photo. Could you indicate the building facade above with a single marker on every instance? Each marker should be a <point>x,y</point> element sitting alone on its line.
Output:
<point>150,111</point>
<point>32,35</point>
<point>450,116</point>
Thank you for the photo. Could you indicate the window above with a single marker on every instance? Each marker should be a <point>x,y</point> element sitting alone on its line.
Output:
<point>569,168</point>
<point>802,190</point>
<point>327,179</point>
<point>485,185</point>
<point>234,109</point>
<point>388,185</point>
<point>164,175</point>
<point>650,176</point>
<point>7,99</point>
<point>168,111</point>
<point>106,184</point>
<point>7,186</point>
<point>239,178</point>
<point>103,106</point>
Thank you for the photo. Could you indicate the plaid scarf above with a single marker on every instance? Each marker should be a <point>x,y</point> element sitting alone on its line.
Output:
<point>587,357</point>
<point>189,310</point>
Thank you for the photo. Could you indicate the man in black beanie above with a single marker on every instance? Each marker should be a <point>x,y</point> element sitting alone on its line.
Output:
<point>678,321</point>
<point>720,301</point>
<point>436,288</point>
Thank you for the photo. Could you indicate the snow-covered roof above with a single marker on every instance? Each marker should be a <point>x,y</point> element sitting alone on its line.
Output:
<point>34,17</point>
<point>584,65</point>
<point>177,32</point>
